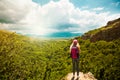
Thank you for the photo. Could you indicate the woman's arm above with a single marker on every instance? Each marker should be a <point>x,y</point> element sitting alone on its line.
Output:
<point>78,45</point>
<point>71,47</point>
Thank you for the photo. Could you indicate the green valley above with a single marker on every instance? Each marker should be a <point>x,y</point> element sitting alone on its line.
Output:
<point>24,58</point>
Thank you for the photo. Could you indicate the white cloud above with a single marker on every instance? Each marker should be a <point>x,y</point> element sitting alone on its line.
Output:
<point>116,4</point>
<point>29,17</point>
<point>85,7</point>
<point>14,10</point>
<point>98,9</point>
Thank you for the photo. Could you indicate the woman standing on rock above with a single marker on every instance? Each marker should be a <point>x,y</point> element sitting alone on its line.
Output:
<point>75,50</point>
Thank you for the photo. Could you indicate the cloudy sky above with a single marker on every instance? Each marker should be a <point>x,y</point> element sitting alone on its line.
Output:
<point>42,17</point>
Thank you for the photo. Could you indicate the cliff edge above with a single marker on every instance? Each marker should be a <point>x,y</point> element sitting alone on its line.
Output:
<point>82,76</point>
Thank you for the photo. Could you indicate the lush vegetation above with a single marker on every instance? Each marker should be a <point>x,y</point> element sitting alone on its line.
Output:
<point>23,58</point>
<point>101,58</point>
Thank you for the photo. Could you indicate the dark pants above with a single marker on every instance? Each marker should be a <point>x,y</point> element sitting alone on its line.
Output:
<point>75,63</point>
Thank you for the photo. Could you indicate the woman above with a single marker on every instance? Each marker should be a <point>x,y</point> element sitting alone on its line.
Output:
<point>75,50</point>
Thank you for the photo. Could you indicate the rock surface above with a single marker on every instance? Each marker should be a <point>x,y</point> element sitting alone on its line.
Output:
<point>82,76</point>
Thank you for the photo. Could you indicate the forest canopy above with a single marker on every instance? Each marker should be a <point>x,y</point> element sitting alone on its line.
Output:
<point>24,58</point>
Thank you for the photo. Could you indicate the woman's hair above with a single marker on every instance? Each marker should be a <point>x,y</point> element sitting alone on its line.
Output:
<point>75,42</point>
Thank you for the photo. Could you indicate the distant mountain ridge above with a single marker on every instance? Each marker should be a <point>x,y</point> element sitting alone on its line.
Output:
<point>64,34</point>
<point>108,33</point>
<point>57,35</point>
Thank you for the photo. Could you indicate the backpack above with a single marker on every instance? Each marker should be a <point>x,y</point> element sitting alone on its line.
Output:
<point>74,52</point>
